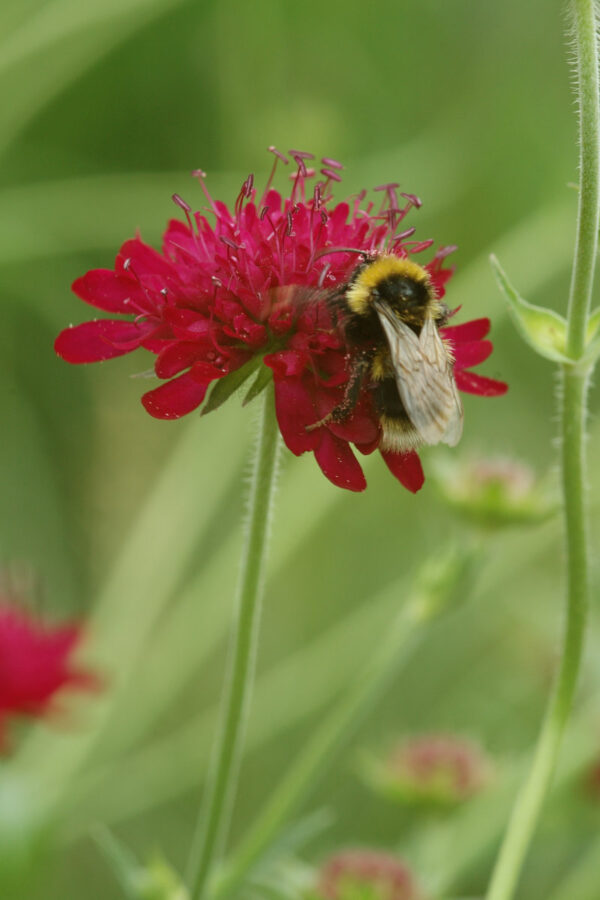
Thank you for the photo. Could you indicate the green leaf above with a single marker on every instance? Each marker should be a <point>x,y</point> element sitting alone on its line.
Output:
<point>262,380</point>
<point>65,39</point>
<point>225,387</point>
<point>119,858</point>
<point>543,329</point>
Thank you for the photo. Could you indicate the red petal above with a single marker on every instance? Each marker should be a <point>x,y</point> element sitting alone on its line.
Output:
<point>187,324</point>
<point>407,468</point>
<point>338,463</point>
<point>365,449</point>
<point>96,341</point>
<point>143,260</point>
<point>176,357</point>
<point>102,288</point>
<point>176,398</point>
<point>287,363</point>
<point>471,353</point>
<point>467,331</point>
<point>295,410</point>
<point>471,383</point>
<point>361,427</point>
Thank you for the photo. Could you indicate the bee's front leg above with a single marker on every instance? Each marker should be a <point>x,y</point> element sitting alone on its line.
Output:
<point>359,369</point>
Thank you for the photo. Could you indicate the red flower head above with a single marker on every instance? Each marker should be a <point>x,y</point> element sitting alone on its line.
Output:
<point>221,296</point>
<point>432,769</point>
<point>35,664</point>
<point>368,873</point>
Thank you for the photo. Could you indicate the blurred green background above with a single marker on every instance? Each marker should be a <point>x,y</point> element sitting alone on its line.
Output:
<point>107,108</point>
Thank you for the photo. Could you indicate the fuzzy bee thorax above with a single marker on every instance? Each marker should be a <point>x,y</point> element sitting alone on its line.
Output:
<point>401,283</point>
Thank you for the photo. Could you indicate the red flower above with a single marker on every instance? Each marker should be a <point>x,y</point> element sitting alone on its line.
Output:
<point>215,298</point>
<point>437,769</point>
<point>354,873</point>
<point>35,664</point>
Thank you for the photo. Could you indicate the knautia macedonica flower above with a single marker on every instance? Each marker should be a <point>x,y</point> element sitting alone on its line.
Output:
<point>219,299</point>
<point>431,769</point>
<point>36,663</point>
<point>365,874</point>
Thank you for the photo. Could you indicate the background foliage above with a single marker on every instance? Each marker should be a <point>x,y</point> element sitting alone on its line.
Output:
<point>107,108</point>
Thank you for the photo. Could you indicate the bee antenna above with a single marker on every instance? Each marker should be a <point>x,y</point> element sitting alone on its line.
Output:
<point>340,250</point>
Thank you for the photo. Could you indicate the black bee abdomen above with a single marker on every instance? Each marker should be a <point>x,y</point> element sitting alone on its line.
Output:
<point>387,400</point>
<point>364,330</point>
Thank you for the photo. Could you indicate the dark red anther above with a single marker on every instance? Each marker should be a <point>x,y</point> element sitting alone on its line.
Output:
<point>419,246</point>
<point>443,252</point>
<point>404,234</point>
<point>331,163</point>
<point>330,173</point>
<point>279,155</point>
<point>180,202</point>
<point>228,241</point>
<point>302,170</point>
<point>301,154</point>
<point>413,199</point>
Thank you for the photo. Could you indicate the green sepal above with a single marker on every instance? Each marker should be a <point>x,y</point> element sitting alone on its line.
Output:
<point>226,386</point>
<point>593,324</point>
<point>592,349</point>
<point>543,329</point>
<point>262,380</point>
<point>159,881</point>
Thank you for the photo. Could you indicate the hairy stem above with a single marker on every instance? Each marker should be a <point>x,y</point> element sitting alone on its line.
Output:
<point>573,468</point>
<point>216,809</point>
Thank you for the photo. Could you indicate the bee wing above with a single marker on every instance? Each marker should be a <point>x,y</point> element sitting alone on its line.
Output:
<point>425,380</point>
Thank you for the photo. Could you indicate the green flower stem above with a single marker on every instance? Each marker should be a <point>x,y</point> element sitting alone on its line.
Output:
<point>585,17</point>
<point>215,813</point>
<point>321,749</point>
<point>573,464</point>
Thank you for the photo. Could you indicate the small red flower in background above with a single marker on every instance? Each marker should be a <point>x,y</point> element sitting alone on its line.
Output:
<point>431,769</point>
<point>214,299</point>
<point>366,873</point>
<point>35,664</point>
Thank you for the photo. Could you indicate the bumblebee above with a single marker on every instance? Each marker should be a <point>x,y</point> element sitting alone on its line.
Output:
<point>390,318</point>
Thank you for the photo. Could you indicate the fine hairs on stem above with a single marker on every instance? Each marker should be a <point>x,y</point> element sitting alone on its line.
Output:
<point>573,393</point>
<point>215,811</point>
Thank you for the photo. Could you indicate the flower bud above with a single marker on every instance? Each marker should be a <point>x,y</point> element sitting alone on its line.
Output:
<point>368,874</point>
<point>431,770</point>
<point>495,492</point>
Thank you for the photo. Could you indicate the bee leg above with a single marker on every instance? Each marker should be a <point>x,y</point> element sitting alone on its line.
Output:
<point>443,315</point>
<point>360,367</point>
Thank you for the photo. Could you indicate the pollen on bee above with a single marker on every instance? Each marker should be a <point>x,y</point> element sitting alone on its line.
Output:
<point>378,368</point>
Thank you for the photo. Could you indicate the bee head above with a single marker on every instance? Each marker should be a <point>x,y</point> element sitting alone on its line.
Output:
<point>401,283</point>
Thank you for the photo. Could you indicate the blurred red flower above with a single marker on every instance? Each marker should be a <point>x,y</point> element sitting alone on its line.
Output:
<point>368,873</point>
<point>218,297</point>
<point>432,769</point>
<point>35,664</point>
